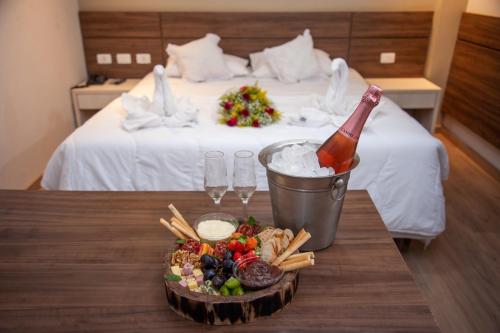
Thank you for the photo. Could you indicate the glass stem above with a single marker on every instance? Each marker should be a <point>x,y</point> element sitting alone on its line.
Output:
<point>217,204</point>
<point>245,209</point>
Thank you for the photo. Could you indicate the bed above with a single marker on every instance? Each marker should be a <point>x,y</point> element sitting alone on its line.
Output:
<point>402,165</point>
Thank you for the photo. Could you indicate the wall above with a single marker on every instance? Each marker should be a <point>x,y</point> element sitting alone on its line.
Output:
<point>484,7</point>
<point>41,58</point>
<point>256,5</point>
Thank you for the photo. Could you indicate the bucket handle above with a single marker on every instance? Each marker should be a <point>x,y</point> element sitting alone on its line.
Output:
<point>338,189</point>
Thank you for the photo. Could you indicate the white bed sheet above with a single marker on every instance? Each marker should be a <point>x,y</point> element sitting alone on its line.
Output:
<point>402,165</point>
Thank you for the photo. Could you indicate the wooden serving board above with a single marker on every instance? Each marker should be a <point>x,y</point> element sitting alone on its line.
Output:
<point>221,310</point>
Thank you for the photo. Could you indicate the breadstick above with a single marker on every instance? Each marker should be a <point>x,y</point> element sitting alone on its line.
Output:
<point>299,235</point>
<point>176,232</point>
<point>188,227</point>
<point>298,265</point>
<point>178,215</point>
<point>296,259</point>
<point>292,248</point>
<point>302,254</point>
<point>294,262</point>
<point>184,230</point>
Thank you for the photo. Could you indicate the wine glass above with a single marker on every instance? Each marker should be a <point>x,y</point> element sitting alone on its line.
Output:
<point>244,181</point>
<point>215,176</point>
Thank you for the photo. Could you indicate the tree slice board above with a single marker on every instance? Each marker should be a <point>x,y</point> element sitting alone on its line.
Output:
<point>221,310</point>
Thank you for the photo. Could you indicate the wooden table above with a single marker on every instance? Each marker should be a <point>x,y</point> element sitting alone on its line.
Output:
<point>92,261</point>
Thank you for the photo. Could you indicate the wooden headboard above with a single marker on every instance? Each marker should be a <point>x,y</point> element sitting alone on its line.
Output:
<point>357,37</point>
<point>472,92</point>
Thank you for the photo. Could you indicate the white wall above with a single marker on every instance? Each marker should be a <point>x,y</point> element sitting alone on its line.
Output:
<point>484,7</point>
<point>41,57</point>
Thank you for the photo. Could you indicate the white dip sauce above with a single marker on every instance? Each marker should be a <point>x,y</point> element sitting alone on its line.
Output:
<point>215,229</point>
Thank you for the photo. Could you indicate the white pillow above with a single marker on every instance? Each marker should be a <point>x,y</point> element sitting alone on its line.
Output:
<point>171,69</point>
<point>324,61</point>
<point>260,66</point>
<point>294,60</point>
<point>201,59</point>
<point>237,65</point>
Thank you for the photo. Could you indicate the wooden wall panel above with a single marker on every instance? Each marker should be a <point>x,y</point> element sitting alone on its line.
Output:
<point>397,24</point>
<point>93,46</point>
<point>472,95</point>
<point>480,29</point>
<point>242,33</point>
<point>411,54</point>
<point>336,47</point>
<point>120,24</point>
<point>255,25</point>
<point>472,92</point>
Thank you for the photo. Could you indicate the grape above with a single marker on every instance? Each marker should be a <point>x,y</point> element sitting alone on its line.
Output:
<point>218,281</point>
<point>207,261</point>
<point>228,255</point>
<point>228,265</point>
<point>208,274</point>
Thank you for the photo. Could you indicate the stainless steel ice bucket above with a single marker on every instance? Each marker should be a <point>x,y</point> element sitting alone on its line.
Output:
<point>313,203</point>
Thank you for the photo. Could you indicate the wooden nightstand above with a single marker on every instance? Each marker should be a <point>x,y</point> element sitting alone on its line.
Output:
<point>419,96</point>
<point>88,100</point>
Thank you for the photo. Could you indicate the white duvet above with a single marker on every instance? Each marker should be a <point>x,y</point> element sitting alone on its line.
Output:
<point>402,165</point>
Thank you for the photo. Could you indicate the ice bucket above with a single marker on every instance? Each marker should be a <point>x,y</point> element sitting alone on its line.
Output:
<point>313,203</point>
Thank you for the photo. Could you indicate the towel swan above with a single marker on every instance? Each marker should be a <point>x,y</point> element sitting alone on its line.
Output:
<point>165,109</point>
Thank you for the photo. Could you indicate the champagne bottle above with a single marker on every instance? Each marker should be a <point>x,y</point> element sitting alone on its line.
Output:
<point>339,150</point>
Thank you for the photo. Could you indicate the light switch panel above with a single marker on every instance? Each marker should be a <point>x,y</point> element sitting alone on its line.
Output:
<point>123,58</point>
<point>104,58</point>
<point>143,58</point>
<point>387,57</point>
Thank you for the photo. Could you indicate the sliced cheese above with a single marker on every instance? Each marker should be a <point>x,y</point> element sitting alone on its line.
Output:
<point>192,284</point>
<point>197,272</point>
<point>176,270</point>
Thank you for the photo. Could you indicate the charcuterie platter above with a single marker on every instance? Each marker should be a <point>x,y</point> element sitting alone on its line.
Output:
<point>222,271</point>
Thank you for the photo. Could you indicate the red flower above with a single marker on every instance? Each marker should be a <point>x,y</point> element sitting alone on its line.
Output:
<point>243,88</point>
<point>255,123</point>
<point>228,105</point>
<point>269,111</point>
<point>245,112</point>
<point>232,122</point>
<point>246,96</point>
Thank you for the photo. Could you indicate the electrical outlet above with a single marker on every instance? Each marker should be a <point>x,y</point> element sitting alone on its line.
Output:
<point>143,58</point>
<point>104,58</point>
<point>123,58</point>
<point>387,57</point>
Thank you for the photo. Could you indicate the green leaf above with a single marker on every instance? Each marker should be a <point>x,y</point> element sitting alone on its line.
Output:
<point>172,277</point>
<point>251,220</point>
<point>242,239</point>
<point>180,241</point>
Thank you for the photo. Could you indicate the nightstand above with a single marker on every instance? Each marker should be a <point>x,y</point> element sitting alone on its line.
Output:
<point>88,100</point>
<point>419,96</point>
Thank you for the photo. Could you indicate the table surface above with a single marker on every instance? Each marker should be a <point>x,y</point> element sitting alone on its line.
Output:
<point>92,261</point>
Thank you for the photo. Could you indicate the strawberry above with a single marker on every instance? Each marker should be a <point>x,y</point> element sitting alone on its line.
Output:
<point>236,255</point>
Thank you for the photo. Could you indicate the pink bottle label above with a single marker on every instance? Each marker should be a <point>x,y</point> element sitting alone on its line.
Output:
<point>354,125</point>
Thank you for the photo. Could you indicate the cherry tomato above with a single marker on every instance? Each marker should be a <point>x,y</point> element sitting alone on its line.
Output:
<point>251,243</point>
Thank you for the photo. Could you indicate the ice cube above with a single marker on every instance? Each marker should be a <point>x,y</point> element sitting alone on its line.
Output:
<point>299,160</point>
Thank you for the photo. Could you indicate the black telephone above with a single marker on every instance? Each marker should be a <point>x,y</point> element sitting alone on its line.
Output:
<point>96,79</point>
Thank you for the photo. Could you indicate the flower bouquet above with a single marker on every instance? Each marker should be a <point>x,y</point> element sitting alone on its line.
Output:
<point>247,106</point>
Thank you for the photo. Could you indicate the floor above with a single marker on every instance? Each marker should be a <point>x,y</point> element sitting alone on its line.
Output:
<point>459,272</point>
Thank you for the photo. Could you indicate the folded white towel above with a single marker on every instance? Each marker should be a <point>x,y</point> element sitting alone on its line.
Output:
<point>165,110</point>
<point>335,102</point>
<point>309,117</point>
